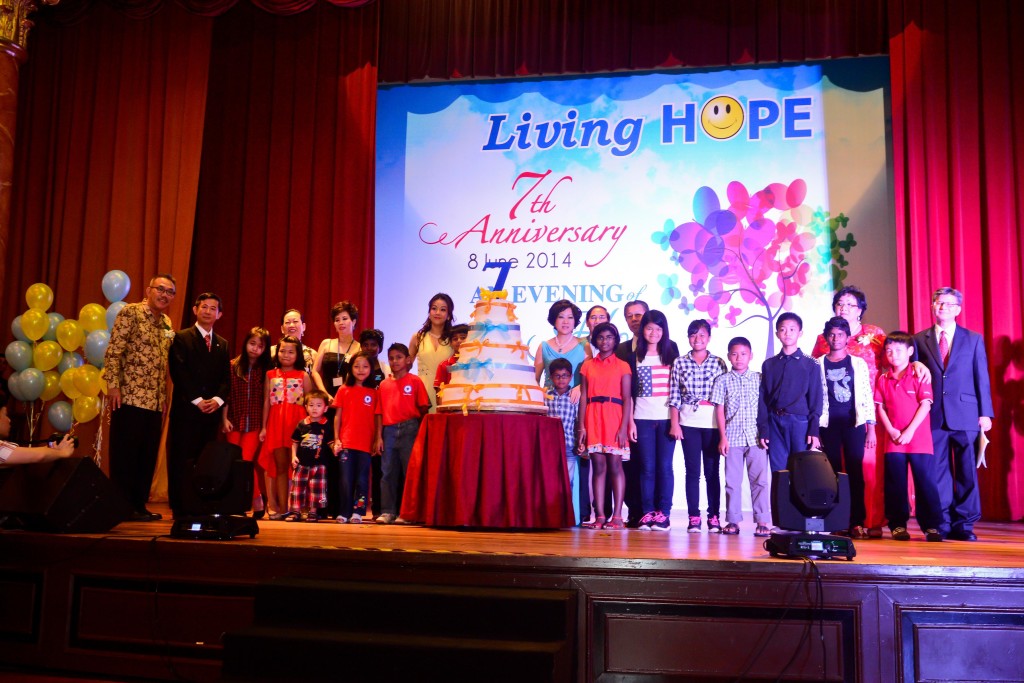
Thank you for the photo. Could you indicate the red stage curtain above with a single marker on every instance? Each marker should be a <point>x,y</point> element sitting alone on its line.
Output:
<point>285,213</point>
<point>957,104</point>
<point>70,12</point>
<point>444,39</point>
<point>110,123</point>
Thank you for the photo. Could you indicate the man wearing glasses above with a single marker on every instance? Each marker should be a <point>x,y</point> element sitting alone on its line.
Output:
<point>962,408</point>
<point>136,374</point>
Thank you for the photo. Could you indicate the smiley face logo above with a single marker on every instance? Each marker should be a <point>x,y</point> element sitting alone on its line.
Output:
<point>721,117</point>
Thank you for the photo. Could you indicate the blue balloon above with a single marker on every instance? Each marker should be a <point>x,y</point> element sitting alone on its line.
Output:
<point>19,355</point>
<point>60,416</point>
<point>55,319</point>
<point>69,360</point>
<point>14,386</point>
<point>112,311</point>
<point>116,285</point>
<point>96,346</point>
<point>31,383</point>
<point>16,330</point>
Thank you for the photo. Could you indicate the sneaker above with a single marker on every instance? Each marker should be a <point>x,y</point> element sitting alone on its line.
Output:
<point>933,536</point>
<point>646,521</point>
<point>401,520</point>
<point>341,520</point>
<point>694,527</point>
<point>714,526</point>
<point>356,518</point>
<point>386,518</point>
<point>662,522</point>
<point>900,534</point>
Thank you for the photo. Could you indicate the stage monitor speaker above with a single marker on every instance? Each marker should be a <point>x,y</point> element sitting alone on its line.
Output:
<point>64,496</point>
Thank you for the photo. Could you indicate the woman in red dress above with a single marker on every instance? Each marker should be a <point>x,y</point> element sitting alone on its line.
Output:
<point>868,343</point>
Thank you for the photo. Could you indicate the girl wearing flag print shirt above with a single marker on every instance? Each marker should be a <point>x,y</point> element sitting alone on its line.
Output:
<point>650,426</point>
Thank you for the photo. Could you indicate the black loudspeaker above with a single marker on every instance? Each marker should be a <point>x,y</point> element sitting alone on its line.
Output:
<point>71,495</point>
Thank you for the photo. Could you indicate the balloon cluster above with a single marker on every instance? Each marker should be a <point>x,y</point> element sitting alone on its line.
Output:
<point>52,354</point>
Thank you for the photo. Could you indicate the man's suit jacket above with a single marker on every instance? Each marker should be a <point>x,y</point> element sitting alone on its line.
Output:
<point>961,388</point>
<point>197,372</point>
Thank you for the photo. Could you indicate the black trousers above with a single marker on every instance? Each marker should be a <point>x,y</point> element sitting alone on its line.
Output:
<point>188,433</point>
<point>843,443</point>
<point>134,444</point>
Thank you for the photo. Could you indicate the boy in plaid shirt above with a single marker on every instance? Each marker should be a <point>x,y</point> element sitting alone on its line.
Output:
<point>560,405</point>
<point>311,442</point>
<point>735,397</point>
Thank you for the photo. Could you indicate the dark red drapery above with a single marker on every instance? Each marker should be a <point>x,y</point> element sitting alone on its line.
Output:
<point>285,211</point>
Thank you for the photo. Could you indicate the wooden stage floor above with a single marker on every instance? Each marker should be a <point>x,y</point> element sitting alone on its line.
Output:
<point>125,603</point>
<point>1000,545</point>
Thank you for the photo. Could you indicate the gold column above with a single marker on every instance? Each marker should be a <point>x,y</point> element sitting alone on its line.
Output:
<point>14,28</point>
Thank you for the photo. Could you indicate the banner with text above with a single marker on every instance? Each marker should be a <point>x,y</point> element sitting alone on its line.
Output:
<point>731,195</point>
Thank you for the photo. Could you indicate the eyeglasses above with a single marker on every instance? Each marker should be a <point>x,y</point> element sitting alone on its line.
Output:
<point>946,304</point>
<point>164,290</point>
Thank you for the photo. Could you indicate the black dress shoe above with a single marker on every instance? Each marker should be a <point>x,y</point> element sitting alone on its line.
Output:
<point>933,536</point>
<point>145,516</point>
<point>962,535</point>
<point>258,514</point>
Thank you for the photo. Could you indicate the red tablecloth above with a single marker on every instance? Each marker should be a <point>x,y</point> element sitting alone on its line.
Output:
<point>488,470</point>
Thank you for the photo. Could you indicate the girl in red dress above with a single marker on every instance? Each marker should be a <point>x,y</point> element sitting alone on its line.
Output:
<point>605,407</point>
<point>282,410</point>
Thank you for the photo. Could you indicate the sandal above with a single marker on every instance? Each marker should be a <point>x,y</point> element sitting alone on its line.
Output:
<point>614,524</point>
<point>762,531</point>
<point>598,523</point>
<point>731,529</point>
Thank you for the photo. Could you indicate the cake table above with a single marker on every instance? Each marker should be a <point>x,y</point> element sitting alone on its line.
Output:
<point>502,470</point>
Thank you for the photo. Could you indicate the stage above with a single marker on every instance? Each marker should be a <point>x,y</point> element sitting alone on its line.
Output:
<point>643,605</point>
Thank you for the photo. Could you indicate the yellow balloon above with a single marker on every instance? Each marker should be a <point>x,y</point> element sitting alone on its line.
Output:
<point>39,296</point>
<point>51,388</point>
<point>67,384</point>
<point>103,381</point>
<point>92,317</point>
<point>85,408</point>
<point>34,323</point>
<point>46,355</point>
<point>87,380</point>
<point>70,335</point>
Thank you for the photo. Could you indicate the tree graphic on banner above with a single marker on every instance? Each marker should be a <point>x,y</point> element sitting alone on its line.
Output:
<point>748,260</point>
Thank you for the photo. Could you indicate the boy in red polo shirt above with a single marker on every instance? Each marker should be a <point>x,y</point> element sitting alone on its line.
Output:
<point>403,403</point>
<point>904,403</point>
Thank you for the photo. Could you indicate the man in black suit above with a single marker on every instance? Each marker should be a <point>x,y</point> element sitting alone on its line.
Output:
<point>962,407</point>
<point>200,369</point>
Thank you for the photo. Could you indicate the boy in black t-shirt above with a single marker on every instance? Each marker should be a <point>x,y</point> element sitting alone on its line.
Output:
<point>311,447</point>
<point>848,420</point>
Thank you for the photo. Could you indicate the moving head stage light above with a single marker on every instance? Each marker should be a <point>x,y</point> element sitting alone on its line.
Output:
<point>809,500</point>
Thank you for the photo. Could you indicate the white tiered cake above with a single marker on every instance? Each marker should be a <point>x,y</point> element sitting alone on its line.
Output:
<point>494,372</point>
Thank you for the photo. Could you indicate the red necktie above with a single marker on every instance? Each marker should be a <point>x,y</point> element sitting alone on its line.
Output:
<point>209,342</point>
<point>944,348</point>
